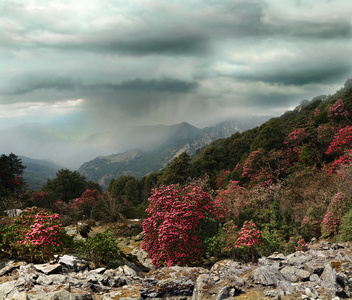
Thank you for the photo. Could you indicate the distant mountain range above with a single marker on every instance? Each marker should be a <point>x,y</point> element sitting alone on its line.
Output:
<point>37,172</point>
<point>140,149</point>
<point>154,147</point>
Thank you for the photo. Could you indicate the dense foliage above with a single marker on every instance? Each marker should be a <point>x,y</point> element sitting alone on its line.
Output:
<point>67,185</point>
<point>101,249</point>
<point>271,188</point>
<point>11,181</point>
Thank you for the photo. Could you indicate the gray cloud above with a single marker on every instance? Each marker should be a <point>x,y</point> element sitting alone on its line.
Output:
<point>171,45</point>
<point>290,74</point>
<point>310,29</point>
<point>164,85</point>
<point>31,84</point>
<point>150,62</point>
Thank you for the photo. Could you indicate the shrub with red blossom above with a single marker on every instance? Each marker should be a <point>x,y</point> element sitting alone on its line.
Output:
<point>332,219</point>
<point>341,145</point>
<point>330,224</point>
<point>261,168</point>
<point>82,207</point>
<point>222,178</point>
<point>248,238</point>
<point>338,111</point>
<point>342,141</point>
<point>232,200</point>
<point>39,235</point>
<point>173,229</point>
<point>42,199</point>
<point>295,243</point>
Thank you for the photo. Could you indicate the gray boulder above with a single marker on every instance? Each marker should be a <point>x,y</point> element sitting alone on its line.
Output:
<point>293,274</point>
<point>314,267</point>
<point>228,268</point>
<point>267,275</point>
<point>10,267</point>
<point>209,286</point>
<point>328,280</point>
<point>299,258</point>
<point>171,282</point>
<point>7,289</point>
<point>60,292</point>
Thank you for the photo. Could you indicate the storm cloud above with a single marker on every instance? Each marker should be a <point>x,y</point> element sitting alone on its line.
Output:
<point>109,63</point>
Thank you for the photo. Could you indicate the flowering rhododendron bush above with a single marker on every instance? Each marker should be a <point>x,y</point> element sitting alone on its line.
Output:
<point>261,168</point>
<point>232,200</point>
<point>173,229</point>
<point>337,208</point>
<point>37,235</point>
<point>248,238</point>
<point>342,146</point>
<point>82,207</point>
<point>295,243</point>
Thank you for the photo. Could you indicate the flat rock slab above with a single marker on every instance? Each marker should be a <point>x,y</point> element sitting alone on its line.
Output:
<point>48,268</point>
<point>277,256</point>
<point>6,288</point>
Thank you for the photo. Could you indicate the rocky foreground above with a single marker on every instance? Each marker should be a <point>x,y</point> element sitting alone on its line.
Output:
<point>323,272</point>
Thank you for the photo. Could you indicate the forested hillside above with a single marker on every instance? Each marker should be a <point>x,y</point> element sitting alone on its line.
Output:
<point>299,141</point>
<point>271,188</point>
<point>288,178</point>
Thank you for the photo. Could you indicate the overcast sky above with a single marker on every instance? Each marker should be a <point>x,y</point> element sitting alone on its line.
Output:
<point>98,64</point>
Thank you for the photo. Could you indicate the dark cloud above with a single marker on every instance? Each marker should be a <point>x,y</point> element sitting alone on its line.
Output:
<point>298,75</point>
<point>166,45</point>
<point>110,62</point>
<point>33,83</point>
<point>30,84</point>
<point>319,29</point>
<point>169,43</point>
<point>140,85</point>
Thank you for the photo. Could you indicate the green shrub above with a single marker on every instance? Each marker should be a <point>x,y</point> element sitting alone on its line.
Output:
<point>101,249</point>
<point>346,227</point>
<point>311,223</point>
<point>273,242</point>
<point>9,234</point>
<point>213,247</point>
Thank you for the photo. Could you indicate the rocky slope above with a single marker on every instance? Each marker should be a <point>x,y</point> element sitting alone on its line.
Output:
<point>323,272</point>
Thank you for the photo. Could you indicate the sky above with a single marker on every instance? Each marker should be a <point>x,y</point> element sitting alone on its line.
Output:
<point>70,68</point>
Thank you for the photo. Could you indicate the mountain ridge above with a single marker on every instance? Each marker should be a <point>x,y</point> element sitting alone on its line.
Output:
<point>139,162</point>
<point>37,171</point>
